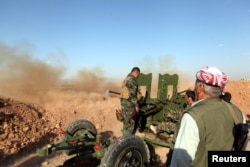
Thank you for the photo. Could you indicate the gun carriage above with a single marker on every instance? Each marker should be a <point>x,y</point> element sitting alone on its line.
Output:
<point>86,147</point>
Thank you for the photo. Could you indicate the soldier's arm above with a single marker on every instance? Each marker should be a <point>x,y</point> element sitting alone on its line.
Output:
<point>133,88</point>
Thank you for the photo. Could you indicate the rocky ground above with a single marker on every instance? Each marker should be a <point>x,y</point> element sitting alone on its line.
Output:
<point>26,126</point>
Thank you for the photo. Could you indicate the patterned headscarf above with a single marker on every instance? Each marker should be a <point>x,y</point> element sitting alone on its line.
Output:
<point>212,76</point>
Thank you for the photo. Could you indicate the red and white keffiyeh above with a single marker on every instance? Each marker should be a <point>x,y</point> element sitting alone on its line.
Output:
<point>212,76</point>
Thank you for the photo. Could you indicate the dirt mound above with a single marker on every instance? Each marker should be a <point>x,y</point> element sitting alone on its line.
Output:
<point>26,127</point>
<point>23,127</point>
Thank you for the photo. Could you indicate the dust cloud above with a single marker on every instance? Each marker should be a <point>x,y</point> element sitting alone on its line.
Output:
<point>25,78</point>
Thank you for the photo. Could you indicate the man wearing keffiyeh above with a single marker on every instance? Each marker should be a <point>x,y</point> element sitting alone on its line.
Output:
<point>208,124</point>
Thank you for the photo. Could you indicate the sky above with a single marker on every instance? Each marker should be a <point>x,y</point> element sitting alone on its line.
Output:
<point>116,35</point>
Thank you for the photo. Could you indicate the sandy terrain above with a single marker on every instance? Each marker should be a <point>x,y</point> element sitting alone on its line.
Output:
<point>30,121</point>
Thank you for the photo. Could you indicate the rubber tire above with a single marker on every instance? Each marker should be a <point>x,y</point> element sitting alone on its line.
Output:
<point>76,125</point>
<point>115,155</point>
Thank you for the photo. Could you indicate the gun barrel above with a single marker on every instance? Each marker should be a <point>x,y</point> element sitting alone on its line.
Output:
<point>113,92</point>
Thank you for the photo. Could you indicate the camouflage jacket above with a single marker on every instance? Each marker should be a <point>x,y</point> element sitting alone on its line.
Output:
<point>130,90</point>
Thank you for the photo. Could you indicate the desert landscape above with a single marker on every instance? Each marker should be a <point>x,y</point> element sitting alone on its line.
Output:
<point>36,102</point>
<point>30,121</point>
<point>59,59</point>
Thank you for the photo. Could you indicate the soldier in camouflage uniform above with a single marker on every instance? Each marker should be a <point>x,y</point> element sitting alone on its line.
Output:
<point>173,116</point>
<point>129,101</point>
<point>172,123</point>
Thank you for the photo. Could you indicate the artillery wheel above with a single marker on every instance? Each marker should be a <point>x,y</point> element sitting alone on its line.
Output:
<point>79,128</point>
<point>129,150</point>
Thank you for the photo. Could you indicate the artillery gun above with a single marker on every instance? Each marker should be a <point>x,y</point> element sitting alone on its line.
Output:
<point>86,147</point>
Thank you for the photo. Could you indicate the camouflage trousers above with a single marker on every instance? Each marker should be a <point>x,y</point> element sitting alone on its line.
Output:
<point>127,110</point>
<point>168,127</point>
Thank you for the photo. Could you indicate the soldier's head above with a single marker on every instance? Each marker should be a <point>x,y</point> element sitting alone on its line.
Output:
<point>210,82</point>
<point>190,97</point>
<point>135,72</point>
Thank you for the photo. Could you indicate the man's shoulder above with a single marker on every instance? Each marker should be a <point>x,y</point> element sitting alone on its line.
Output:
<point>201,107</point>
<point>131,78</point>
<point>128,77</point>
